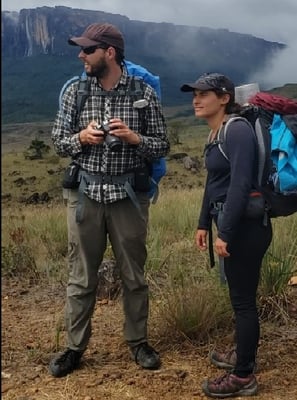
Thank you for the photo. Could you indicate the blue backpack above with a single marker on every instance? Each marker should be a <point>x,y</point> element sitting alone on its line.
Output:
<point>143,73</point>
<point>158,167</point>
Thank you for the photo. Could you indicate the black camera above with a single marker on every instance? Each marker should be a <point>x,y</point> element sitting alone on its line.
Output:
<point>112,141</point>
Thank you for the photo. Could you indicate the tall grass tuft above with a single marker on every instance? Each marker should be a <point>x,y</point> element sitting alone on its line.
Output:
<point>279,265</point>
<point>17,256</point>
<point>44,241</point>
<point>191,303</point>
<point>193,307</point>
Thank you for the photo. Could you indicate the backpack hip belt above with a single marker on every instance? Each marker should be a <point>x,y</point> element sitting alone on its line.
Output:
<point>126,180</point>
<point>110,179</point>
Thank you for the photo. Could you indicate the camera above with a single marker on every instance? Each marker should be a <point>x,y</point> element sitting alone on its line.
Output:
<point>113,142</point>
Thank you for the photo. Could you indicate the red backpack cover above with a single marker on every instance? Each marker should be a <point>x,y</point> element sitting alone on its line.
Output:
<point>274,102</point>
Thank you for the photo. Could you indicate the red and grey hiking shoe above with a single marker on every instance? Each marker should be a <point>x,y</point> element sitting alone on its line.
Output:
<point>224,360</point>
<point>230,385</point>
<point>227,360</point>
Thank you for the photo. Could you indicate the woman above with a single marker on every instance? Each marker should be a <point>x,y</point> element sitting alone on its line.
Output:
<point>241,242</point>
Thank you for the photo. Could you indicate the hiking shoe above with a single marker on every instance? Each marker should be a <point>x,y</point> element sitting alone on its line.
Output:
<point>146,356</point>
<point>65,363</point>
<point>228,360</point>
<point>230,385</point>
<point>224,360</point>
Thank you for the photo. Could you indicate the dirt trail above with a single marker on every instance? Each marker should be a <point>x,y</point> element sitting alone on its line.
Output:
<point>29,320</point>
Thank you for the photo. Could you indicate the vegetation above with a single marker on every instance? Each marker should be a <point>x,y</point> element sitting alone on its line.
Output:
<point>36,150</point>
<point>34,243</point>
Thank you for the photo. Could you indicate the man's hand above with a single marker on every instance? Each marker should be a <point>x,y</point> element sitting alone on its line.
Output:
<point>201,236</point>
<point>120,129</point>
<point>91,135</point>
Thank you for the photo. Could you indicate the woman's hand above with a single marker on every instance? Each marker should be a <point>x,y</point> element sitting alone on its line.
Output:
<point>221,248</point>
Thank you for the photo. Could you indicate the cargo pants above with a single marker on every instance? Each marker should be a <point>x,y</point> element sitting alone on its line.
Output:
<point>126,229</point>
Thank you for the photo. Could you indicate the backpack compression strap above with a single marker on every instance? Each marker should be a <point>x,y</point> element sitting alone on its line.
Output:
<point>259,139</point>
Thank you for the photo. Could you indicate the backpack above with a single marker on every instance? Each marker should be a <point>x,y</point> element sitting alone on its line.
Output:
<point>157,168</point>
<point>273,119</point>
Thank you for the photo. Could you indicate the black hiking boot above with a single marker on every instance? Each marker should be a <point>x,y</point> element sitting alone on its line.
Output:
<point>65,363</point>
<point>146,356</point>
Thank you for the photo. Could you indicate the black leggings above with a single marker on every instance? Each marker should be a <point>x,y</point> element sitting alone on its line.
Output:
<point>242,270</point>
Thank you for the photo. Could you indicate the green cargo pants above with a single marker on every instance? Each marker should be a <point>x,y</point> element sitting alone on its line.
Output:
<point>126,229</point>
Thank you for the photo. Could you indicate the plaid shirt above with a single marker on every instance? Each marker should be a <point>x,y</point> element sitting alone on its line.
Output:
<point>99,159</point>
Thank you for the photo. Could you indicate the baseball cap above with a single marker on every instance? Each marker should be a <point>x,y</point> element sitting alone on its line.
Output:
<point>96,34</point>
<point>210,81</point>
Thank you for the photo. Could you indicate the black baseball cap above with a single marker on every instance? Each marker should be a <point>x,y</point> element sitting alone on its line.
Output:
<point>210,81</point>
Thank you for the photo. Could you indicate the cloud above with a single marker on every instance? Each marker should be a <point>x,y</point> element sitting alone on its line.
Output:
<point>280,71</point>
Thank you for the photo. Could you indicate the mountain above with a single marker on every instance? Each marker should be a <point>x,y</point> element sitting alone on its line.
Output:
<point>37,60</point>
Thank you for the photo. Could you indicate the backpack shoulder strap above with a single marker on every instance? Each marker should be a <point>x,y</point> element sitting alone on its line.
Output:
<point>83,92</point>
<point>263,153</point>
<point>223,134</point>
<point>136,87</point>
<point>65,86</point>
<point>137,91</point>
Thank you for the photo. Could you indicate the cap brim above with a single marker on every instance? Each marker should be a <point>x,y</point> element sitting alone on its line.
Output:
<point>190,87</point>
<point>82,41</point>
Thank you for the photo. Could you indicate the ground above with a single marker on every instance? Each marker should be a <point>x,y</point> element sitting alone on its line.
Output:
<point>32,331</point>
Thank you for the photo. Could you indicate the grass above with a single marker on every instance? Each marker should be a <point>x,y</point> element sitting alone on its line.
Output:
<point>190,300</point>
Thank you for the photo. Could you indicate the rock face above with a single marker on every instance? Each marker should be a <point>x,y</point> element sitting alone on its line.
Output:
<point>35,45</point>
<point>45,30</point>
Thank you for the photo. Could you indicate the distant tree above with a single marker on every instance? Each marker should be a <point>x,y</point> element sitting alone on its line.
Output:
<point>36,150</point>
<point>174,131</point>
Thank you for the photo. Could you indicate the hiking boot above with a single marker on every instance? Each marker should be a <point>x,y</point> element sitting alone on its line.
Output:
<point>230,385</point>
<point>224,360</point>
<point>228,360</point>
<point>146,356</point>
<point>65,363</point>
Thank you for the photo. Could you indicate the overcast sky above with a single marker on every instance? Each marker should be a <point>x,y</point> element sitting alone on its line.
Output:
<point>274,20</point>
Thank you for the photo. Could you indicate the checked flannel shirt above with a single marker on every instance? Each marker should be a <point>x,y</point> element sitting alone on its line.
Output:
<point>99,159</point>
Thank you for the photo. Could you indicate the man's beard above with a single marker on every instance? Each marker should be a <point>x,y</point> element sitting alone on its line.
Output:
<point>100,70</point>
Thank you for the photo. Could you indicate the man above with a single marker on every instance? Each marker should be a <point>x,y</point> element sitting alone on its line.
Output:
<point>111,201</point>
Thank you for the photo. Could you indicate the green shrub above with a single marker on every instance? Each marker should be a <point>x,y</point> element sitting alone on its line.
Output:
<point>17,258</point>
<point>279,265</point>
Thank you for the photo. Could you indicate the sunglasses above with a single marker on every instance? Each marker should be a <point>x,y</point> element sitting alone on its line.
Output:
<point>90,50</point>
